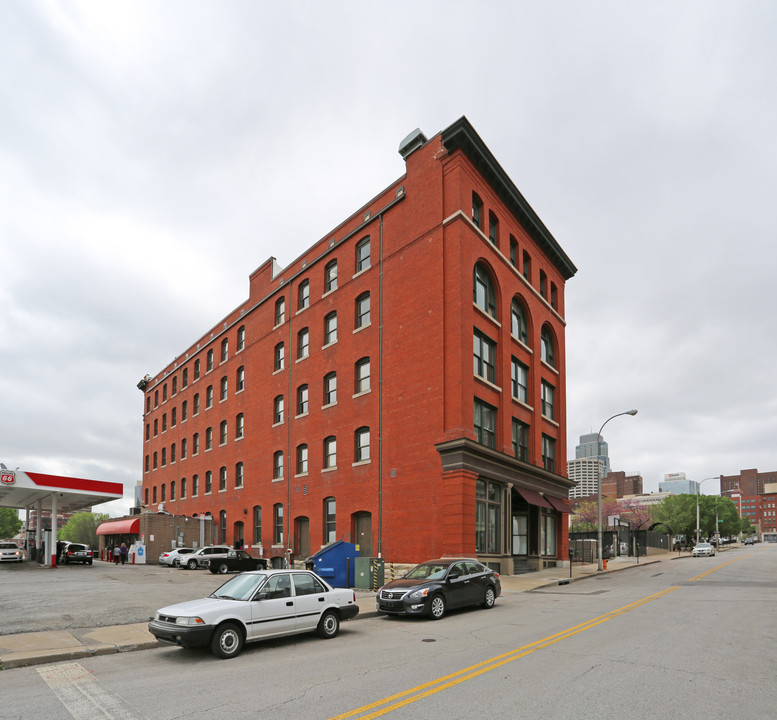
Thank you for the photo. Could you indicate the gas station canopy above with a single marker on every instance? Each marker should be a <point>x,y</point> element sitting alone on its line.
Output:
<point>19,489</point>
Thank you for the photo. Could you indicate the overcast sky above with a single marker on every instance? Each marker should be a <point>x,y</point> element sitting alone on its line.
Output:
<point>152,155</point>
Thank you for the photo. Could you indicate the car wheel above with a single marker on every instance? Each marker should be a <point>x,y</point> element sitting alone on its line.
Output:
<point>328,625</point>
<point>227,641</point>
<point>192,564</point>
<point>223,568</point>
<point>437,607</point>
<point>88,562</point>
<point>489,598</point>
<point>260,566</point>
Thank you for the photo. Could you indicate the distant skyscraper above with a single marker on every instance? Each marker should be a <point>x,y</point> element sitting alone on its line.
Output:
<point>678,484</point>
<point>591,446</point>
<point>585,472</point>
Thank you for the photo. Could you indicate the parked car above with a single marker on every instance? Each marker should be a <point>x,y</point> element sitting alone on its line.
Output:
<point>76,552</point>
<point>703,548</point>
<point>199,558</point>
<point>236,561</point>
<point>749,541</point>
<point>173,557</point>
<point>254,606</point>
<point>10,552</point>
<point>435,586</point>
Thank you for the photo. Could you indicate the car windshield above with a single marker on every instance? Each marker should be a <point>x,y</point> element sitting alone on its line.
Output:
<point>240,587</point>
<point>427,571</point>
<point>8,546</point>
<point>703,545</point>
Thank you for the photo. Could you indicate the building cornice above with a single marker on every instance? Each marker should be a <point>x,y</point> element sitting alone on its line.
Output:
<point>465,454</point>
<point>462,136</point>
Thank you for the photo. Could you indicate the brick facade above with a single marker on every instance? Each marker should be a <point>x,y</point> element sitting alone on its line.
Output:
<point>409,465</point>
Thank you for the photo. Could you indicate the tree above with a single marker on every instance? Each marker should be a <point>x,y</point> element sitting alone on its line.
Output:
<point>679,513</point>
<point>82,528</point>
<point>10,522</point>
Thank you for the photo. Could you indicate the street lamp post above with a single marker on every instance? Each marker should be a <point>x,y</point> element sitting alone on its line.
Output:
<point>599,484</point>
<point>698,488</point>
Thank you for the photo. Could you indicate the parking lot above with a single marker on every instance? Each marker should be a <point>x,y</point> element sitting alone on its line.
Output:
<point>35,598</point>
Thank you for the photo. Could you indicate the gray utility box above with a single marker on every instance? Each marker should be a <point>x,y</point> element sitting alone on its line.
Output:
<point>370,573</point>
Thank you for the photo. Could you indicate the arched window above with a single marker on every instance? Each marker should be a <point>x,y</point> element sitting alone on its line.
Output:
<point>519,327</point>
<point>362,310</point>
<point>222,478</point>
<point>278,407</point>
<point>223,526</point>
<point>302,459</point>
<point>361,443</point>
<point>330,517</point>
<point>224,349</point>
<point>362,375</point>
<point>363,254</point>
<point>239,425</point>
<point>239,475</point>
<point>277,465</point>
<point>547,346</point>
<point>241,337</point>
<point>279,357</point>
<point>223,432</point>
<point>277,511</point>
<point>330,452</point>
<point>240,379</point>
<point>280,310</point>
<point>257,524</point>
<point>483,294</point>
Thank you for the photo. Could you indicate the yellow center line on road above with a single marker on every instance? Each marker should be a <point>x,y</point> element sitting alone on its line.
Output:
<point>717,567</point>
<point>394,702</point>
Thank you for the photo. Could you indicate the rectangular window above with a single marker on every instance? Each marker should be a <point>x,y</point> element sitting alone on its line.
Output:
<point>484,357</point>
<point>477,210</point>
<point>493,228</point>
<point>549,453</point>
<point>547,401</point>
<point>485,423</point>
<point>520,381</point>
<point>520,440</point>
<point>488,513</point>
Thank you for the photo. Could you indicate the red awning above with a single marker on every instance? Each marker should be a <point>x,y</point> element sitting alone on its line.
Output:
<point>561,504</point>
<point>119,527</point>
<point>534,498</point>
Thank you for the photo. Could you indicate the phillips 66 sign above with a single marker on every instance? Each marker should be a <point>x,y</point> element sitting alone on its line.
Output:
<point>7,478</point>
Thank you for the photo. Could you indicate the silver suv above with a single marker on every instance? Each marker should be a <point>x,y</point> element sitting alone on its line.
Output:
<point>199,558</point>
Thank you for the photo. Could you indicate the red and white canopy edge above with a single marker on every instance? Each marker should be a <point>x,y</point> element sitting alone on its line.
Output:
<point>57,493</point>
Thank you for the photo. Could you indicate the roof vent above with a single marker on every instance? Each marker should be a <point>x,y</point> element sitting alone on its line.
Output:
<point>411,143</point>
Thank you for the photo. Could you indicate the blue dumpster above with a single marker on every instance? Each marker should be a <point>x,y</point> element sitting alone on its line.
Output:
<point>335,563</point>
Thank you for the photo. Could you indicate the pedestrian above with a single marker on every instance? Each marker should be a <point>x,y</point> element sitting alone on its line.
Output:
<point>116,554</point>
<point>123,550</point>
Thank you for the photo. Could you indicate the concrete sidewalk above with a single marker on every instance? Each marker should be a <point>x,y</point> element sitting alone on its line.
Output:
<point>34,648</point>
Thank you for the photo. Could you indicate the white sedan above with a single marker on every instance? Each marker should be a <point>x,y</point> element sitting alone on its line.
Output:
<point>703,548</point>
<point>254,606</point>
<point>10,552</point>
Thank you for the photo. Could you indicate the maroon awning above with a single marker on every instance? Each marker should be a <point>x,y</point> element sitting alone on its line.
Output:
<point>119,527</point>
<point>561,504</point>
<point>534,498</point>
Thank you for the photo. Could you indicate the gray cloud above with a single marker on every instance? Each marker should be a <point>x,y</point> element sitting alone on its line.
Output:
<point>152,156</point>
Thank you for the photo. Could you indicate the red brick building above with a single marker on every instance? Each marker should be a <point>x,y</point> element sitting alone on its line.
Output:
<point>755,494</point>
<point>400,385</point>
<point>617,484</point>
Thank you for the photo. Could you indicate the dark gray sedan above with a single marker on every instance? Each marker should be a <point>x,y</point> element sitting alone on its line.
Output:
<point>435,586</point>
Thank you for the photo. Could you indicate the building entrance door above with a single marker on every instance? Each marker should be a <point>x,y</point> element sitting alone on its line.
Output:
<point>363,533</point>
<point>302,536</point>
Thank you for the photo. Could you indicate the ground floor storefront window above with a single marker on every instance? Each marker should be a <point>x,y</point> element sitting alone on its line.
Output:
<point>488,517</point>
<point>548,534</point>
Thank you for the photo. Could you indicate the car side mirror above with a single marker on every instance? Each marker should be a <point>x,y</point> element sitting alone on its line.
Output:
<point>453,576</point>
<point>261,595</point>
